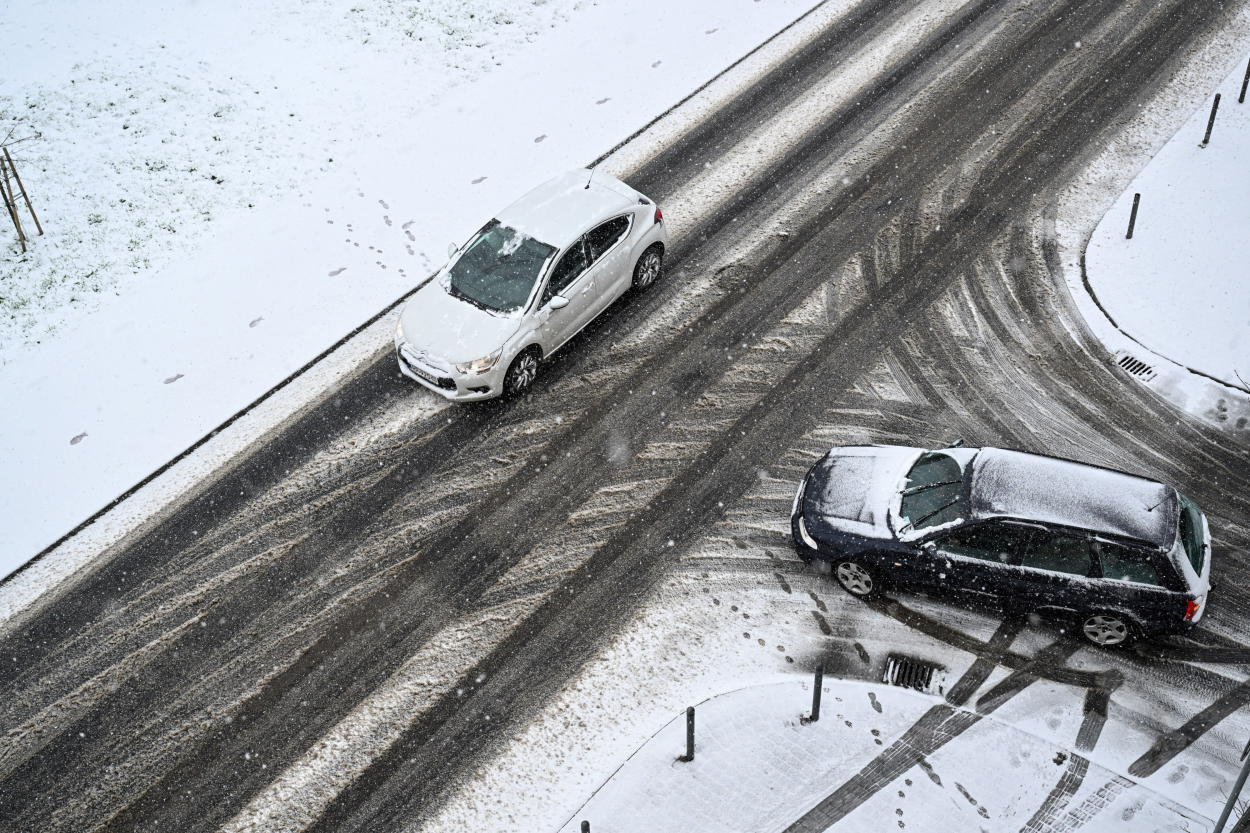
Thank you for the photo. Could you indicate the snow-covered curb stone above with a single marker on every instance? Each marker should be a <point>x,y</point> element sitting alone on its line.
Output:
<point>1104,181</point>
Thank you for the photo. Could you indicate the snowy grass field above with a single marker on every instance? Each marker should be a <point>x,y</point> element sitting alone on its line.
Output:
<point>144,137</point>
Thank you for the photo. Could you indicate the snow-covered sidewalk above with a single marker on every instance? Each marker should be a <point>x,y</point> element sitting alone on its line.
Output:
<point>1181,285</point>
<point>346,178</point>
<point>758,768</point>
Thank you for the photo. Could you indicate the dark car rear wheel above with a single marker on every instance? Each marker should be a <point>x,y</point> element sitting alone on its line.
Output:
<point>1107,630</point>
<point>855,578</point>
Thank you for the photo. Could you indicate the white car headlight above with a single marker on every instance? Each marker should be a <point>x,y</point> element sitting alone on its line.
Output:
<point>399,331</point>
<point>481,365</point>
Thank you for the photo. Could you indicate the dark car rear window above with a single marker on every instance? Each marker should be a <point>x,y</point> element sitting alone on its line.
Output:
<point>1191,533</point>
<point>1125,564</point>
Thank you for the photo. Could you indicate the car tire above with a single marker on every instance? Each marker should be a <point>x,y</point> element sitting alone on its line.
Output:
<point>648,268</point>
<point>521,373</point>
<point>1107,629</point>
<point>855,578</point>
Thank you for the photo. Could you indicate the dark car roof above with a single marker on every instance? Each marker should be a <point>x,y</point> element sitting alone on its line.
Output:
<point>1015,484</point>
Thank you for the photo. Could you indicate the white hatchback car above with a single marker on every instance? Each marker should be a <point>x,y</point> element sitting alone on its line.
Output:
<point>529,281</point>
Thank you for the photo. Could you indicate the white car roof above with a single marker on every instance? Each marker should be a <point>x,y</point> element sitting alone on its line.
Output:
<point>562,209</point>
<point>1015,484</point>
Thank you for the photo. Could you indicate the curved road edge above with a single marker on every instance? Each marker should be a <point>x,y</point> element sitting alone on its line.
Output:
<point>1094,191</point>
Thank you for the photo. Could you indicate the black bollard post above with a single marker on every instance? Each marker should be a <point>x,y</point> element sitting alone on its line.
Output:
<point>585,826</point>
<point>820,684</point>
<point>689,756</point>
<point>1241,99</point>
<point>1215,106</point>
<point>1132,216</point>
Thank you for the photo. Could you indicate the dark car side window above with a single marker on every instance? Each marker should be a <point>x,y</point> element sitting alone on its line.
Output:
<point>605,236</point>
<point>567,270</point>
<point>998,542</point>
<point>1124,564</point>
<point>1060,553</point>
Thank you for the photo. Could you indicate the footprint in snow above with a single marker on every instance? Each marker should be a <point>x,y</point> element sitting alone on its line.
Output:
<point>384,205</point>
<point>656,64</point>
<point>173,378</point>
<point>603,101</point>
<point>540,138</point>
<point>255,321</point>
<point>478,180</point>
<point>387,219</point>
<point>77,438</point>
<point>338,271</point>
<point>711,31</point>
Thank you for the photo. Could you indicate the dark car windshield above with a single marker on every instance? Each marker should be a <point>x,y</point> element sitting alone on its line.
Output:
<point>498,268</point>
<point>1191,533</point>
<point>933,492</point>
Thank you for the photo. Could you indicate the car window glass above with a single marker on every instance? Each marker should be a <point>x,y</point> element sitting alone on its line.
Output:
<point>933,493</point>
<point>1191,533</point>
<point>498,268</point>
<point>567,270</point>
<point>605,236</point>
<point>1124,564</point>
<point>998,542</point>
<point>1060,553</point>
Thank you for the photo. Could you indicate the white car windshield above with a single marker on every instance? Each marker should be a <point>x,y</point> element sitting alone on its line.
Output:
<point>498,268</point>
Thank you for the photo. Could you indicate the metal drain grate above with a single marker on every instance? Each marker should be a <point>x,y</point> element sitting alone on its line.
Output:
<point>1136,366</point>
<point>909,672</point>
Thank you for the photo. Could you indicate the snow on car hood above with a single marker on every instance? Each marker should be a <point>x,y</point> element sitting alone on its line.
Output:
<point>852,488</point>
<point>453,329</point>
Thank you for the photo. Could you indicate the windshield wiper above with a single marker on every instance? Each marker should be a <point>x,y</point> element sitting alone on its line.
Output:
<point>941,508</point>
<point>456,293</point>
<point>915,490</point>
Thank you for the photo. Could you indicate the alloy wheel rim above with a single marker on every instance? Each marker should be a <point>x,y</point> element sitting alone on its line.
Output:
<point>526,370</point>
<point>854,578</point>
<point>1105,630</point>
<point>650,269</point>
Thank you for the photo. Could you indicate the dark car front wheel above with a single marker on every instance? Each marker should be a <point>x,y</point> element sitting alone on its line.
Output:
<point>855,578</point>
<point>1107,630</point>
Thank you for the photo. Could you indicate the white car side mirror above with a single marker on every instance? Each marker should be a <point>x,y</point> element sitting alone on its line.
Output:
<point>452,248</point>
<point>558,302</point>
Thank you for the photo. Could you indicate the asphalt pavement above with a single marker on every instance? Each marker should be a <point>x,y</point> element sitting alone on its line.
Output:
<point>916,296</point>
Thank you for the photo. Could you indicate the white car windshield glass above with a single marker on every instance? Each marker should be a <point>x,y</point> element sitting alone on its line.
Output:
<point>498,268</point>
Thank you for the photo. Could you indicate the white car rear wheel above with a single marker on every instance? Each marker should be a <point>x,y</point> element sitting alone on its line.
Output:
<point>647,271</point>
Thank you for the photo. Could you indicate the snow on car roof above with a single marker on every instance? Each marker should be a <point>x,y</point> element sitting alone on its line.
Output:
<point>561,209</point>
<point>1014,484</point>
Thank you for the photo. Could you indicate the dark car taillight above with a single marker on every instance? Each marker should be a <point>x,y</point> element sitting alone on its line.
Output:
<point>1192,606</point>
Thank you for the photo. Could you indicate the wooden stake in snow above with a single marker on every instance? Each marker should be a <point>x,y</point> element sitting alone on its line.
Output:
<point>1215,106</point>
<point>6,192</point>
<point>12,167</point>
<point>1241,99</point>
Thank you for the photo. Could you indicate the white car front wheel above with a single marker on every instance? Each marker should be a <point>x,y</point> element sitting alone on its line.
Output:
<point>521,375</point>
